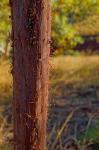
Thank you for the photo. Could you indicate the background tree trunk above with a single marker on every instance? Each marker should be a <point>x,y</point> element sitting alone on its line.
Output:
<point>31,46</point>
<point>6,47</point>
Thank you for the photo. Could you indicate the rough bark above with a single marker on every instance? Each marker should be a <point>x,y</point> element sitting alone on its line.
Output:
<point>31,46</point>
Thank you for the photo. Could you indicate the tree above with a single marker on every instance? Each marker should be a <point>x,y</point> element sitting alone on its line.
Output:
<point>31,44</point>
<point>66,15</point>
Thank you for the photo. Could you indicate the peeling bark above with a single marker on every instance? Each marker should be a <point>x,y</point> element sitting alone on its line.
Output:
<point>31,48</point>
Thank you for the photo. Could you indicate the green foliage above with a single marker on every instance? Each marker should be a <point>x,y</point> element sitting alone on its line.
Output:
<point>70,19</point>
<point>91,134</point>
<point>65,16</point>
<point>4,21</point>
<point>89,26</point>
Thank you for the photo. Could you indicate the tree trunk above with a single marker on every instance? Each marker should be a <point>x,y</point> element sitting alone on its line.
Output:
<point>31,48</point>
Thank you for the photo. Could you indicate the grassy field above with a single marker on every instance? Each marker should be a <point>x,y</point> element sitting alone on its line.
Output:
<point>73,73</point>
<point>69,75</point>
<point>76,73</point>
<point>5,82</point>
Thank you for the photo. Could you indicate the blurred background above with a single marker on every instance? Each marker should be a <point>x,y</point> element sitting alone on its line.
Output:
<point>73,116</point>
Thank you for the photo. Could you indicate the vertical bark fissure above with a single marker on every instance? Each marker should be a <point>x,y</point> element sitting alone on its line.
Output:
<point>30,72</point>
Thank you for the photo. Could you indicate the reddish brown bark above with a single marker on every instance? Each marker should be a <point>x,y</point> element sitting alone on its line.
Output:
<point>31,45</point>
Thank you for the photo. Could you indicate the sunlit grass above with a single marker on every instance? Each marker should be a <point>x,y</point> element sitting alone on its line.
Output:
<point>66,72</point>
<point>5,82</point>
<point>80,72</point>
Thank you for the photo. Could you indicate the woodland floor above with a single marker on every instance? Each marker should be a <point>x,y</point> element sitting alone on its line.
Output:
<point>74,100</point>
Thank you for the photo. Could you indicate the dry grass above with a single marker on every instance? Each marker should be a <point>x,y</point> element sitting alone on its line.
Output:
<point>64,126</point>
<point>5,82</point>
<point>80,72</point>
<point>6,147</point>
<point>67,72</point>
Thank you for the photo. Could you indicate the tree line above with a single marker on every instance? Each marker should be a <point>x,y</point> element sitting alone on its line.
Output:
<point>72,21</point>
